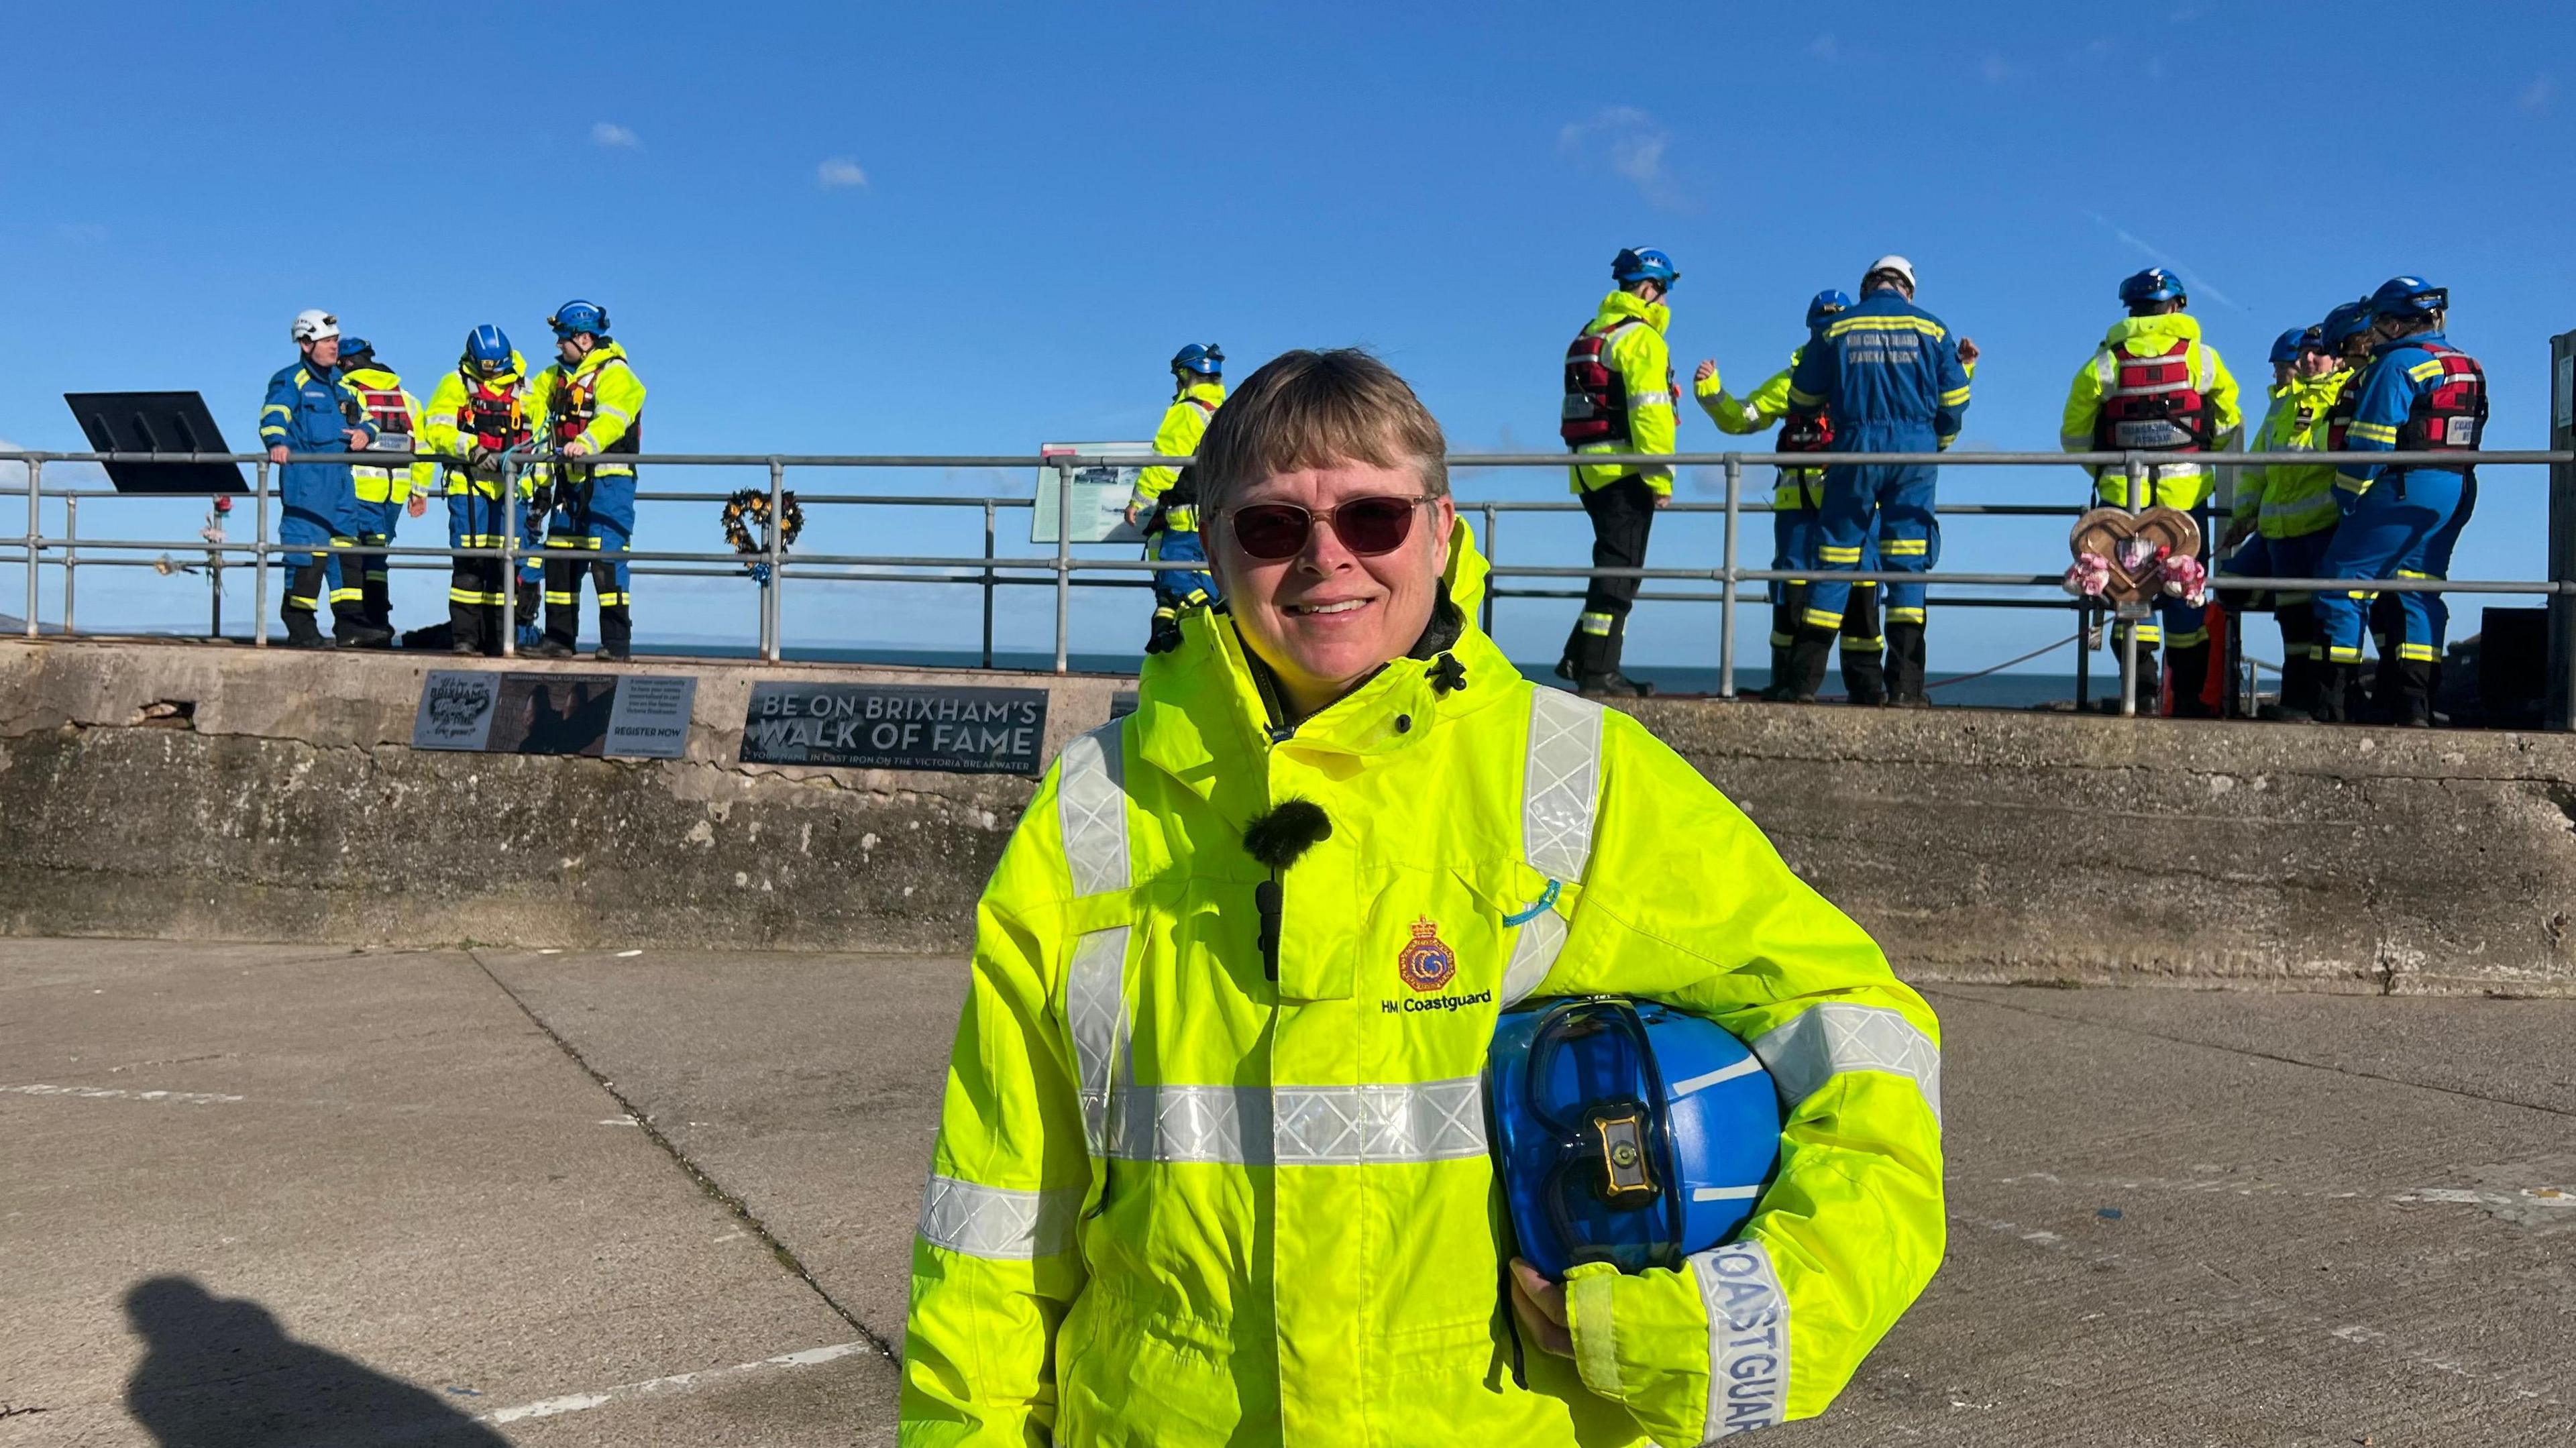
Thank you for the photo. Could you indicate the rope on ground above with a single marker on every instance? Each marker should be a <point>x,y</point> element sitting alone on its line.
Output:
<point>2006,664</point>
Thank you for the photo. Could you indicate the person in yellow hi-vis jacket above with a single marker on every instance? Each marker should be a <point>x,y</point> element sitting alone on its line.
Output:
<point>386,491</point>
<point>1619,398</point>
<point>1212,1164</point>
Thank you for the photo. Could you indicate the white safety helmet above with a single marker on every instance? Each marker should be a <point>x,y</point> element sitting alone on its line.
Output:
<point>1891,263</point>
<point>312,325</point>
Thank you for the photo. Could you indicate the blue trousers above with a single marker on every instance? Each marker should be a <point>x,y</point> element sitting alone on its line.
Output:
<point>320,505</point>
<point>1175,590</point>
<point>1893,505</point>
<point>604,523</point>
<point>1794,533</point>
<point>2404,526</point>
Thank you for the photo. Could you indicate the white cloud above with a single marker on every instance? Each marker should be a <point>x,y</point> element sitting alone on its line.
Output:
<point>81,231</point>
<point>839,173</point>
<point>2167,260</point>
<point>2535,97</point>
<point>1823,48</point>
<point>614,136</point>
<point>1630,144</point>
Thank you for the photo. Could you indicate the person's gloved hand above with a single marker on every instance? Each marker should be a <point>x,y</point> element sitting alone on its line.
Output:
<point>1540,1306</point>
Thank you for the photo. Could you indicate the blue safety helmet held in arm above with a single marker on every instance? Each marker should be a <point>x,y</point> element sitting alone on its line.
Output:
<point>1643,264</point>
<point>487,350</point>
<point>2344,323</point>
<point>1827,303</point>
<point>2397,297</point>
<point>2153,285</point>
<point>1626,1132</point>
<point>1205,359</point>
<point>2287,347</point>
<point>575,317</point>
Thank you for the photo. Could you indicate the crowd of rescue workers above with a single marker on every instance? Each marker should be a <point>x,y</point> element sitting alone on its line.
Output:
<point>1879,375</point>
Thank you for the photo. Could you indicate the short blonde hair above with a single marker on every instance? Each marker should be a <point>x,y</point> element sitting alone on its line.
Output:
<point>1307,409</point>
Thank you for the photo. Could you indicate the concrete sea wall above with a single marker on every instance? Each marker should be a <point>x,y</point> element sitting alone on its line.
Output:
<point>228,793</point>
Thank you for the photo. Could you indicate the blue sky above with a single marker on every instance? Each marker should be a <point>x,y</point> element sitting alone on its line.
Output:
<point>977,228</point>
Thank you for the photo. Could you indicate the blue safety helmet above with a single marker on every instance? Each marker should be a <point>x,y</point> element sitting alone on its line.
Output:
<point>2343,324</point>
<point>1827,303</point>
<point>487,350</point>
<point>1643,264</point>
<point>1626,1132</point>
<point>2287,347</point>
<point>1207,360</point>
<point>575,317</point>
<point>2406,297</point>
<point>2153,285</point>
<point>354,348</point>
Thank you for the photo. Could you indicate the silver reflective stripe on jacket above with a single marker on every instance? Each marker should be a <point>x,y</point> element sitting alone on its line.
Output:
<point>1748,1339</point>
<point>998,1222</point>
<point>1091,805</point>
<point>1301,1125</point>
<point>1806,1053</point>
<point>1558,802</point>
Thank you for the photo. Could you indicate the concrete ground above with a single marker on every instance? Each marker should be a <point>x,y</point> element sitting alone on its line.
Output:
<point>281,1195</point>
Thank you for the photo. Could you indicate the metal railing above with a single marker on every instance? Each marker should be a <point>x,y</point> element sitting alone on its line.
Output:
<point>990,571</point>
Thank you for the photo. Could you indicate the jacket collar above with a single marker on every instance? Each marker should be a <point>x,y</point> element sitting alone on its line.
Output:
<point>1206,715</point>
<point>1624,307</point>
<point>600,356</point>
<point>1210,393</point>
<point>2163,327</point>
<point>2435,337</point>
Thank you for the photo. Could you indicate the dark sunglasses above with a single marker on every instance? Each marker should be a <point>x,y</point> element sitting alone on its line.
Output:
<point>1367,526</point>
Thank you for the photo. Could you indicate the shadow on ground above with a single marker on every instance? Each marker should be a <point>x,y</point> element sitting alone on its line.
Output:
<point>218,1372</point>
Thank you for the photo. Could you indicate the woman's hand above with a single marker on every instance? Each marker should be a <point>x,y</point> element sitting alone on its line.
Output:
<point>1540,1306</point>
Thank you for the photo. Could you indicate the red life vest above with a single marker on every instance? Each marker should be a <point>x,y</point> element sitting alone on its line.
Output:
<point>2449,415</point>
<point>576,402</point>
<point>2152,403</point>
<point>391,415</point>
<point>1596,395</point>
<point>1806,431</point>
<point>2347,404</point>
<point>493,415</point>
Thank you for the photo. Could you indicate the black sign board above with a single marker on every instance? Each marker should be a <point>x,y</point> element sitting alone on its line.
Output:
<point>156,422</point>
<point>897,726</point>
<point>630,715</point>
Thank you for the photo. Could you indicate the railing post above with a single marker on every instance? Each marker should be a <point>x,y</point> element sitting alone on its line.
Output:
<point>508,517</point>
<point>2140,476</point>
<point>1493,559</point>
<point>988,583</point>
<point>1726,601</point>
<point>1063,559</point>
<point>259,556</point>
<point>71,565</point>
<point>35,530</point>
<point>2559,704</point>
<point>771,616</point>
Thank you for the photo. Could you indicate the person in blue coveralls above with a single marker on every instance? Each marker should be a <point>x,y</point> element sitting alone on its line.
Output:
<point>311,410</point>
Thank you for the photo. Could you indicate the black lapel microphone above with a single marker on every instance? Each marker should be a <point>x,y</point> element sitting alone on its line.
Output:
<point>1276,840</point>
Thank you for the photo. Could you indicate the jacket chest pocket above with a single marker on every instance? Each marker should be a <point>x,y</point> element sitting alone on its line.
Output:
<point>1435,960</point>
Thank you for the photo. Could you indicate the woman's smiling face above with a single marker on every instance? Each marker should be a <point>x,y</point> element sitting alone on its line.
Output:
<point>1324,618</point>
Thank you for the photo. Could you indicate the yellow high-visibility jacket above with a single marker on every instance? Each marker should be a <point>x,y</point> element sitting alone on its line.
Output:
<point>1184,423</point>
<point>1758,409</point>
<point>376,484</point>
<point>619,406</point>
<point>1645,363</point>
<point>2287,501</point>
<point>2184,481</point>
<point>1175,1202</point>
<point>444,429</point>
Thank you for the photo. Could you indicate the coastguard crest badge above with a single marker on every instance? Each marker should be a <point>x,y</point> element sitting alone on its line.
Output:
<point>1427,964</point>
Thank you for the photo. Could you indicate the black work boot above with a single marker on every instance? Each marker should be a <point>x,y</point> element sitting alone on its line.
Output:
<point>1613,684</point>
<point>464,627</point>
<point>2147,686</point>
<point>616,635</point>
<point>1905,667</point>
<point>1865,676</point>
<point>2298,690</point>
<point>2335,688</point>
<point>1808,654</point>
<point>2413,706</point>
<point>1778,688</point>
<point>1166,635</point>
<point>2190,676</point>
<point>563,630</point>
<point>351,630</point>
<point>302,631</point>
